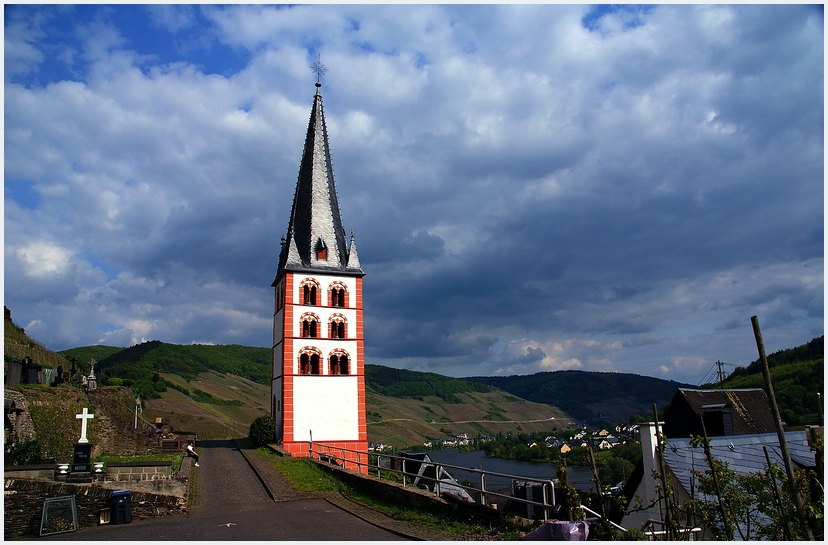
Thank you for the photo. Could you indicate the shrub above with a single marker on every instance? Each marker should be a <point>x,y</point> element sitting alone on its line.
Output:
<point>27,453</point>
<point>262,431</point>
<point>114,381</point>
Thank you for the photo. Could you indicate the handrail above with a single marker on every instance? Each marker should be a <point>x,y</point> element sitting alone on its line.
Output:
<point>325,453</point>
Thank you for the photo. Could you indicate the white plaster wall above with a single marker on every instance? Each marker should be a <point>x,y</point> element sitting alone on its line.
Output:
<point>646,490</point>
<point>324,282</point>
<point>327,405</point>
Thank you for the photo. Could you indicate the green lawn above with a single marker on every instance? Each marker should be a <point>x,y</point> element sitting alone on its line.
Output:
<point>175,458</point>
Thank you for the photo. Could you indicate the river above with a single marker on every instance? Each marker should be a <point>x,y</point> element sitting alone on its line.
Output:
<point>579,476</point>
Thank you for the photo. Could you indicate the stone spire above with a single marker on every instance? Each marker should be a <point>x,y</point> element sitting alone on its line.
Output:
<point>316,239</point>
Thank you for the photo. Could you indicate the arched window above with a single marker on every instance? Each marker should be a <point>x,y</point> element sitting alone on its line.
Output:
<point>278,299</point>
<point>338,363</point>
<point>309,361</point>
<point>338,295</point>
<point>337,326</point>
<point>310,327</point>
<point>310,287</point>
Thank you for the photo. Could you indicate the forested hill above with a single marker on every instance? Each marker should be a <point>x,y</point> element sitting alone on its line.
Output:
<point>402,383</point>
<point>798,375</point>
<point>590,396</point>
<point>139,366</point>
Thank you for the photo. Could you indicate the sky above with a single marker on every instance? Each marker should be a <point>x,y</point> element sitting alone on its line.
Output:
<point>532,188</point>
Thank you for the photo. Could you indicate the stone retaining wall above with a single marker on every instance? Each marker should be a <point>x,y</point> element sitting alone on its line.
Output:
<point>23,504</point>
<point>39,471</point>
<point>139,471</point>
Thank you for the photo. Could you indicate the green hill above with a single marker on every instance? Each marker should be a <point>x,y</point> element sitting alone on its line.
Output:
<point>402,383</point>
<point>798,375</point>
<point>590,396</point>
<point>18,346</point>
<point>142,365</point>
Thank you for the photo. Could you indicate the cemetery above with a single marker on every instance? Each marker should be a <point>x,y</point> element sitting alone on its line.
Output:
<point>56,425</point>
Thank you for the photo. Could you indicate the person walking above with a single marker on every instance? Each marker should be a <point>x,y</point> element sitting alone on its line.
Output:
<point>191,452</point>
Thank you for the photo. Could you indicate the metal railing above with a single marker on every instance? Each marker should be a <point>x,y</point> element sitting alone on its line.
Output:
<point>350,459</point>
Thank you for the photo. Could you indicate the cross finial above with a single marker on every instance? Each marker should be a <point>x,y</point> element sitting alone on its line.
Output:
<point>319,68</point>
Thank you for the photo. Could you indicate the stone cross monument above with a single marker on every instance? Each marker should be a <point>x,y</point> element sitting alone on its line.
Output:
<point>84,416</point>
<point>81,466</point>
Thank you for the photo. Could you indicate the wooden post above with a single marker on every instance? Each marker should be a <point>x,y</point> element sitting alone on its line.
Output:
<point>777,499</point>
<point>668,512</point>
<point>783,442</point>
<point>728,530</point>
<point>598,487</point>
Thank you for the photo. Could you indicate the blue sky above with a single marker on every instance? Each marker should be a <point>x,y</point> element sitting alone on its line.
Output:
<point>533,188</point>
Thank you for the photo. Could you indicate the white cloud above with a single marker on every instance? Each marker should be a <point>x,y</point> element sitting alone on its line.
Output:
<point>528,193</point>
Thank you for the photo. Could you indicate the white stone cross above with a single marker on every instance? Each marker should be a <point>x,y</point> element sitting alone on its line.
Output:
<point>84,416</point>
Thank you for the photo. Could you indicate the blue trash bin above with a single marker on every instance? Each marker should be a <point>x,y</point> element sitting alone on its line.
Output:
<point>121,505</point>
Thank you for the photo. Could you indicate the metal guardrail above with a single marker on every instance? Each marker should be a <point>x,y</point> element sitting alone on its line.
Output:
<point>361,459</point>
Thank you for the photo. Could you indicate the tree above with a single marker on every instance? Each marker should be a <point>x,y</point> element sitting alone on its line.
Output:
<point>262,431</point>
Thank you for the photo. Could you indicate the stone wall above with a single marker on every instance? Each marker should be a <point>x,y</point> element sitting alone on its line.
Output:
<point>139,471</point>
<point>23,504</point>
<point>22,425</point>
<point>39,471</point>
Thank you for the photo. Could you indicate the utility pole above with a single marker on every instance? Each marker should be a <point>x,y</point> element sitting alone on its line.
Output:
<point>783,442</point>
<point>720,372</point>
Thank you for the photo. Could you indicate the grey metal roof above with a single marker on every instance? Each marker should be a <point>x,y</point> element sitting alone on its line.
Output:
<point>742,453</point>
<point>315,220</point>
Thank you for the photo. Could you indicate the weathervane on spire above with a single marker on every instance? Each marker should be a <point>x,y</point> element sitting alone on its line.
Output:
<point>319,68</point>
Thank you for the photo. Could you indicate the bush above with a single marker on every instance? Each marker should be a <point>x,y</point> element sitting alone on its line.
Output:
<point>262,431</point>
<point>27,453</point>
<point>114,381</point>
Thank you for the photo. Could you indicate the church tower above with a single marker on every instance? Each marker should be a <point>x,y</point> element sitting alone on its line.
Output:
<point>318,380</point>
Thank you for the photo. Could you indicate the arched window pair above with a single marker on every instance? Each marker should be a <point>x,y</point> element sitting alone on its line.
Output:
<point>337,293</point>
<point>310,360</point>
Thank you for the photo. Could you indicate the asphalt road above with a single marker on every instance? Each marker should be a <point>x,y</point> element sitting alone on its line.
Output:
<point>232,505</point>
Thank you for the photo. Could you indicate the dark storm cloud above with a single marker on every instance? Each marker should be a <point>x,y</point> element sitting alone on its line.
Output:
<point>531,187</point>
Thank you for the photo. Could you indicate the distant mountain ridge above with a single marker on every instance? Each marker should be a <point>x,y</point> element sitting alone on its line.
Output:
<point>590,396</point>
<point>585,395</point>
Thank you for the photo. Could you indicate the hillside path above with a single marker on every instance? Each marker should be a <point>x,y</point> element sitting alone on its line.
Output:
<point>233,504</point>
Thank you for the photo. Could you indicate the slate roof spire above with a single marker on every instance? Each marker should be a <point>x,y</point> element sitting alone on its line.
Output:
<point>316,239</point>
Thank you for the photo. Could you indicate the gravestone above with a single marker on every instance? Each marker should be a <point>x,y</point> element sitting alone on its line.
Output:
<point>13,372</point>
<point>82,459</point>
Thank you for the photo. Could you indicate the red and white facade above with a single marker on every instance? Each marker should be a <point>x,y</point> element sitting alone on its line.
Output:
<point>318,380</point>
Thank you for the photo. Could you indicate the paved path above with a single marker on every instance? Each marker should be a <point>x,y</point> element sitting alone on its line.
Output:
<point>231,503</point>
